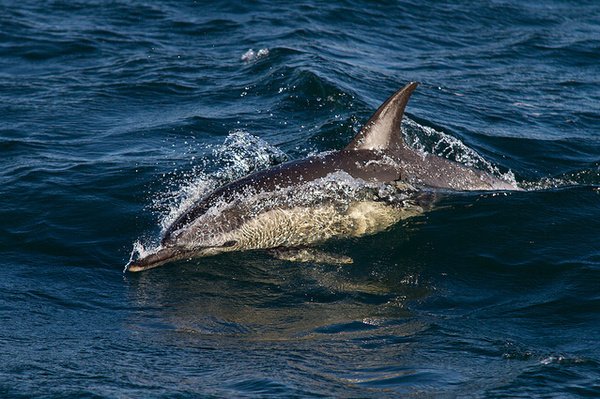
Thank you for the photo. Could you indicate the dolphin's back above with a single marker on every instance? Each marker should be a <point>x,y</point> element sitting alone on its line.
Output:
<point>377,153</point>
<point>363,164</point>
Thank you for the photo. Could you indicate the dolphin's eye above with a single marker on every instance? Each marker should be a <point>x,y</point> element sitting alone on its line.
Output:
<point>228,244</point>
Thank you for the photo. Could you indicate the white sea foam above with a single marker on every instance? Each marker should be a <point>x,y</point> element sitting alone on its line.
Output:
<point>251,55</point>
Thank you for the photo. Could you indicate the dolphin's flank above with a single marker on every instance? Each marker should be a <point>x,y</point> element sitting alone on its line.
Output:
<point>308,201</point>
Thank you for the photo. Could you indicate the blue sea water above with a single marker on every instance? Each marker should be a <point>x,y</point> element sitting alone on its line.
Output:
<point>114,113</point>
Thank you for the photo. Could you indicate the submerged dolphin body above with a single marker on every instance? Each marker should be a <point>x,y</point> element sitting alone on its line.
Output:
<point>308,201</point>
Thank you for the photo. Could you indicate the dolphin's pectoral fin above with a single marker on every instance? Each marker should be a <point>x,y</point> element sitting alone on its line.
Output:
<point>304,254</point>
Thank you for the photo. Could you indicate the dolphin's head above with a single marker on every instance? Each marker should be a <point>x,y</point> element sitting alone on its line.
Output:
<point>157,258</point>
<point>207,236</point>
<point>176,252</point>
<point>177,248</point>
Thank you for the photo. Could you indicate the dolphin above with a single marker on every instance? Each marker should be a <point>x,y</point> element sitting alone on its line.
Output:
<point>297,204</point>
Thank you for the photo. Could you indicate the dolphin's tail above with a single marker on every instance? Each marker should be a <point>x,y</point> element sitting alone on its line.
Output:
<point>158,258</point>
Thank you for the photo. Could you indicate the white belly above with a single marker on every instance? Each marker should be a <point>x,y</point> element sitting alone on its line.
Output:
<point>302,226</point>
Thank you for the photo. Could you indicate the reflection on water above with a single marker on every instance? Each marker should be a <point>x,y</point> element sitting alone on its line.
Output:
<point>254,296</point>
<point>344,324</point>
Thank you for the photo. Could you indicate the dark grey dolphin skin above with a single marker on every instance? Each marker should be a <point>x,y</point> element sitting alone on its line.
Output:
<point>377,154</point>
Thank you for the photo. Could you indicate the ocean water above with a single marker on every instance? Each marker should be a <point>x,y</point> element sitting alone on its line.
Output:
<point>115,114</point>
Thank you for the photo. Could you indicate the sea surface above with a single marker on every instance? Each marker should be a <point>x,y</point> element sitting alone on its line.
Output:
<point>116,114</point>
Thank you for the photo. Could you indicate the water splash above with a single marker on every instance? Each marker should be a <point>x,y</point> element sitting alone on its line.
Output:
<point>141,249</point>
<point>251,55</point>
<point>243,153</point>
<point>429,140</point>
<point>588,177</point>
<point>240,154</point>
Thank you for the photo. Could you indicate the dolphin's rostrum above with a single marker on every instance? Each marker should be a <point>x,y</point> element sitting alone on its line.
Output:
<point>308,201</point>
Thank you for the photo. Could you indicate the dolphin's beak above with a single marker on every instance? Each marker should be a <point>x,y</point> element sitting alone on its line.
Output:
<point>158,258</point>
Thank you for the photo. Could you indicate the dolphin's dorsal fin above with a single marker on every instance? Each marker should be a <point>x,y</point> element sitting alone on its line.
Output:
<point>383,130</point>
